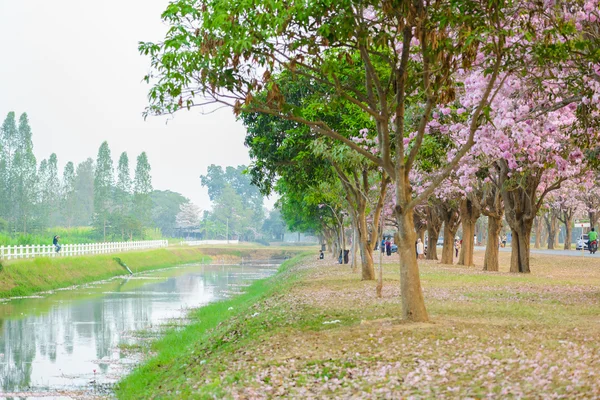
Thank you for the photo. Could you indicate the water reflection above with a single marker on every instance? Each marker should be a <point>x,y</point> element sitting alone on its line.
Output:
<point>69,339</point>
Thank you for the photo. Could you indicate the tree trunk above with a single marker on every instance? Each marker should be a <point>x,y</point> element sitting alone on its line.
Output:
<point>451,218</point>
<point>434,224</point>
<point>544,235</point>
<point>593,218</point>
<point>568,233</point>
<point>336,248</point>
<point>538,232</point>
<point>421,234</point>
<point>377,239</point>
<point>490,262</point>
<point>366,252</point>
<point>552,226</point>
<point>521,205</point>
<point>519,260</point>
<point>413,304</point>
<point>343,243</point>
<point>492,206</point>
<point>469,213</point>
<point>467,243</point>
<point>364,244</point>
<point>432,239</point>
<point>329,239</point>
<point>448,247</point>
<point>354,248</point>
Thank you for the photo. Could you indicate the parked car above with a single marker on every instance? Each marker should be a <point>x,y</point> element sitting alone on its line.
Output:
<point>582,242</point>
<point>440,241</point>
<point>394,248</point>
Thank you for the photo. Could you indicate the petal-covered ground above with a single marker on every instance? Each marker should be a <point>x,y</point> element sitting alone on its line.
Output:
<point>325,334</point>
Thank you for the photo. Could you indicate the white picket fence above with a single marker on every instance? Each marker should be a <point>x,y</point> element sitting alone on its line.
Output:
<point>201,242</point>
<point>31,251</point>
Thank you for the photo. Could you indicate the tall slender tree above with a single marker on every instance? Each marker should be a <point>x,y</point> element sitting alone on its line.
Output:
<point>4,199</point>
<point>53,186</point>
<point>123,196</point>
<point>23,176</point>
<point>43,210</point>
<point>84,192</point>
<point>103,185</point>
<point>141,192</point>
<point>8,138</point>
<point>123,174</point>
<point>68,194</point>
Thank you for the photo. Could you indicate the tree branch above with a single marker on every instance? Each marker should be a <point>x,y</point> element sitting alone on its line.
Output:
<point>468,144</point>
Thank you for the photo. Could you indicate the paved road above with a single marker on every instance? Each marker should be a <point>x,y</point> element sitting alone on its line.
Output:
<point>566,253</point>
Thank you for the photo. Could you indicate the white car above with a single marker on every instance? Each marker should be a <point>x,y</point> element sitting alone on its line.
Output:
<point>582,242</point>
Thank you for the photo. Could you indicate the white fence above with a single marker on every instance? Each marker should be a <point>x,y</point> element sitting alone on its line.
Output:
<point>201,242</point>
<point>31,251</point>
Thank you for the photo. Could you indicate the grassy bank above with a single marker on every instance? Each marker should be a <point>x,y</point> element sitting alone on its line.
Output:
<point>216,329</point>
<point>316,330</point>
<point>26,277</point>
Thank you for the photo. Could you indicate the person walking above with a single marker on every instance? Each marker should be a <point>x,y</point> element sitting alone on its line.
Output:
<point>456,247</point>
<point>388,247</point>
<point>420,249</point>
<point>55,243</point>
<point>383,245</point>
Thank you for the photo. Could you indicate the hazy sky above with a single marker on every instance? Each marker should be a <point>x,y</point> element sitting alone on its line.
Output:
<point>73,66</point>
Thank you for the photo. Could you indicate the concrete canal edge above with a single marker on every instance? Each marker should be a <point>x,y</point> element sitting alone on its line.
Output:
<point>30,276</point>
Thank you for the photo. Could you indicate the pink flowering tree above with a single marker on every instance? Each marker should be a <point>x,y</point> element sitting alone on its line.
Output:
<point>590,200</point>
<point>565,204</point>
<point>443,208</point>
<point>533,157</point>
<point>395,62</point>
<point>482,196</point>
<point>493,208</point>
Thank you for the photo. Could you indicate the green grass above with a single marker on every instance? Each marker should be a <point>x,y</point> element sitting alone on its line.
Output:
<point>216,329</point>
<point>488,332</point>
<point>26,277</point>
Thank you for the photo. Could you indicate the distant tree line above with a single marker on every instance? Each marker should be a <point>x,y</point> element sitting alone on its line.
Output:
<point>35,197</point>
<point>238,210</point>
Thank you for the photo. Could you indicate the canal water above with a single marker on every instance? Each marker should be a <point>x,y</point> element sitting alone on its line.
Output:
<point>76,343</point>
